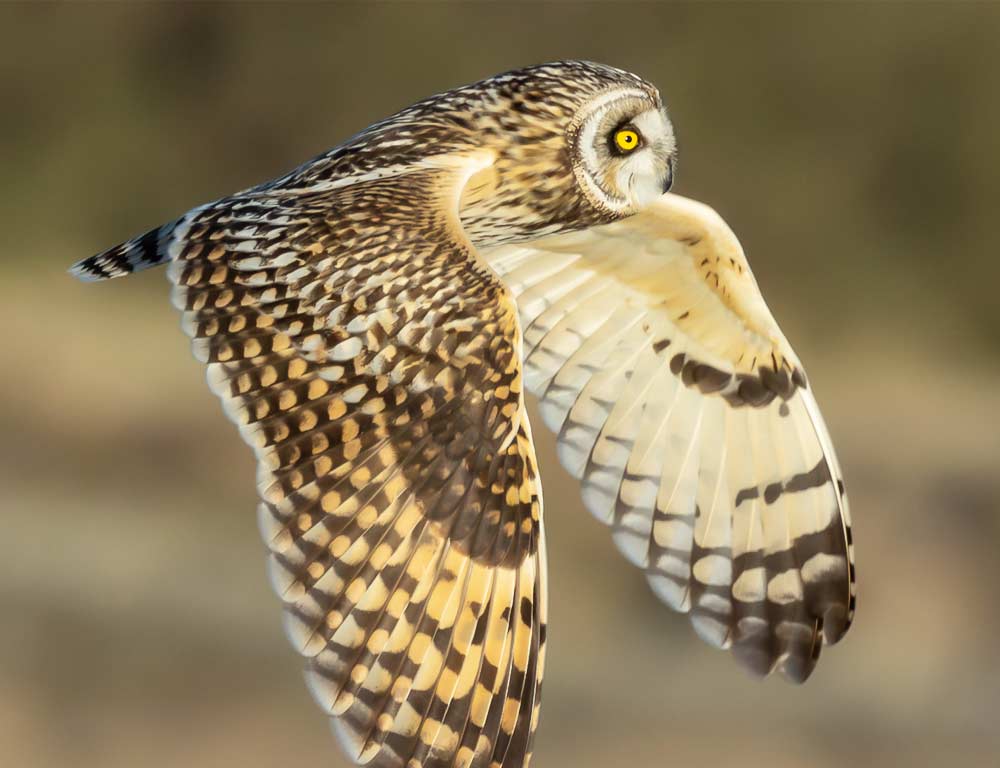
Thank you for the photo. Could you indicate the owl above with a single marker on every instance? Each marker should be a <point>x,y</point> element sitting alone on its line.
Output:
<point>373,321</point>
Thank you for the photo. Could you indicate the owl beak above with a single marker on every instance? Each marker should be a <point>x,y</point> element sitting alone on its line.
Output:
<point>668,179</point>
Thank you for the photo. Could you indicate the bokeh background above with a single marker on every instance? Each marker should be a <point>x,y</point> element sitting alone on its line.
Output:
<point>854,148</point>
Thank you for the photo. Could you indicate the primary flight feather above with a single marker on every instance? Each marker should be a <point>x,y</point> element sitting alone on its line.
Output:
<point>371,322</point>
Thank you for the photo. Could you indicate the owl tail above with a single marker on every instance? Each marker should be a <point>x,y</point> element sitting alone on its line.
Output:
<point>133,255</point>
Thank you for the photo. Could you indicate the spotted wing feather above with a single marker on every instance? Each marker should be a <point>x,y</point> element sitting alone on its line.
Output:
<point>689,421</point>
<point>373,365</point>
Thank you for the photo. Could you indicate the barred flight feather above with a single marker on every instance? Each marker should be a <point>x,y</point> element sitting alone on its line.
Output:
<point>687,417</point>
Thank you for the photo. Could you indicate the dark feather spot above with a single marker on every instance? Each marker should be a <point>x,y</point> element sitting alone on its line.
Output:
<point>527,612</point>
<point>772,492</point>
<point>746,494</point>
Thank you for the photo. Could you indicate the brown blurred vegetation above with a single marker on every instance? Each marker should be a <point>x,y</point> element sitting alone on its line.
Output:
<point>854,148</point>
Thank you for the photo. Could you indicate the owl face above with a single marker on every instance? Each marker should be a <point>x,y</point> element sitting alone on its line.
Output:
<point>625,150</point>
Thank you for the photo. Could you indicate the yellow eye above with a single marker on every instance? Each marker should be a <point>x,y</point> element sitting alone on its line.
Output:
<point>626,139</point>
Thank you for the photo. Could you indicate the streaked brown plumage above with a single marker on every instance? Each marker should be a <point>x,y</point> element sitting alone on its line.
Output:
<point>371,321</point>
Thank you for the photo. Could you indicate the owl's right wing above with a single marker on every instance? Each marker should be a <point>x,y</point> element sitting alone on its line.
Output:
<point>373,365</point>
<point>682,409</point>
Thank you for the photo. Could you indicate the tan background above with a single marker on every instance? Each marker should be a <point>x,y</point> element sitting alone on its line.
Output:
<point>854,149</point>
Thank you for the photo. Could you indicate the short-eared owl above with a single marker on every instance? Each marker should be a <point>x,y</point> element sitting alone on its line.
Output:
<point>372,321</point>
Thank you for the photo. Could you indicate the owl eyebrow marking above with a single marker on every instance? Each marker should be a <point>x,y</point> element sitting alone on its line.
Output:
<point>627,122</point>
<point>601,103</point>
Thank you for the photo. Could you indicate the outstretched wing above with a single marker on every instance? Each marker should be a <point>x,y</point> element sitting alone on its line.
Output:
<point>373,364</point>
<point>688,419</point>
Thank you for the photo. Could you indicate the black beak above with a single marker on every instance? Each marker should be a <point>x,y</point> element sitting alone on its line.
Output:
<point>668,180</point>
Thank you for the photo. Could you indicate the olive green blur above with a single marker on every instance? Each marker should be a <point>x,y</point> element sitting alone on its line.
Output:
<point>855,149</point>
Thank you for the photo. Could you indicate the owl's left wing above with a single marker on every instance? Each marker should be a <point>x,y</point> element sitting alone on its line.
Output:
<point>372,363</point>
<point>687,417</point>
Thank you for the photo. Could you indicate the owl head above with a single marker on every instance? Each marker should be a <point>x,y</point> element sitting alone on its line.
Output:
<point>576,144</point>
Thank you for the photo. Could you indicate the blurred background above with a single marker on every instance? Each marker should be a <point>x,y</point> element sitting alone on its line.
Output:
<point>854,148</point>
